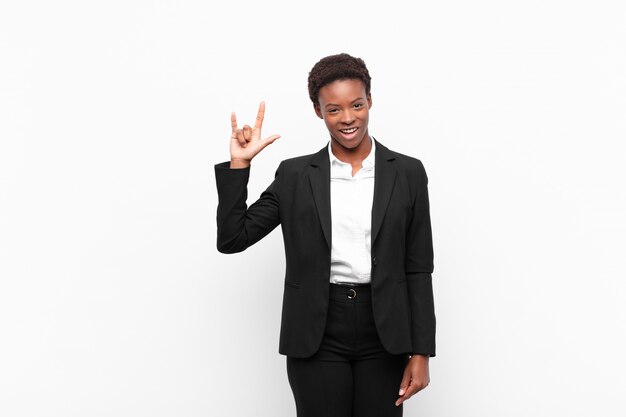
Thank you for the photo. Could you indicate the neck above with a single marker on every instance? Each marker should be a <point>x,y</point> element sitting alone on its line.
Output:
<point>352,156</point>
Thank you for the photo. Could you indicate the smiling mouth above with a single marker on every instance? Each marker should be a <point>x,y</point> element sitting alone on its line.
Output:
<point>348,131</point>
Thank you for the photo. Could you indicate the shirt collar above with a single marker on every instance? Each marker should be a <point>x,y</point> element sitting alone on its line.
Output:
<point>368,162</point>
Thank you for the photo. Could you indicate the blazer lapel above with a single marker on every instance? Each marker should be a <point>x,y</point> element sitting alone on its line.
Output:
<point>319,177</point>
<point>384,181</point>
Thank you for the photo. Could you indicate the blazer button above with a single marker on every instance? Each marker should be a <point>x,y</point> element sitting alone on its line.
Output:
<point>374,261</point>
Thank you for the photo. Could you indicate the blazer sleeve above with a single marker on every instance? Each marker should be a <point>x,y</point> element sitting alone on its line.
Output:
<point>419,268</point>
<point>240,226</point>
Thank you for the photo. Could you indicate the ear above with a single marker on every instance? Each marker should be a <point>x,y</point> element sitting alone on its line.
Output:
<point>318,111</point>
<point>369,101</point>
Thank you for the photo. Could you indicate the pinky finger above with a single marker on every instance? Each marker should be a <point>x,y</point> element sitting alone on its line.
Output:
<point>233,122</point>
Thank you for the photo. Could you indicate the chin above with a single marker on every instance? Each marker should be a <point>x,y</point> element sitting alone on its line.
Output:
<point>350,144</point>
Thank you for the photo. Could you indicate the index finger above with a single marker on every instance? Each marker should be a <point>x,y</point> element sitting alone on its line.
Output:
<point>260,115</point>
<point>233,122</point>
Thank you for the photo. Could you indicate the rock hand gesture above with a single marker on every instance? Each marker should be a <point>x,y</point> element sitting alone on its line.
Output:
<point>245,143</point>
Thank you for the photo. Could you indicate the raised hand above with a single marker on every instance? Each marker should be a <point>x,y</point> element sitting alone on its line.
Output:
<point>245,143</point>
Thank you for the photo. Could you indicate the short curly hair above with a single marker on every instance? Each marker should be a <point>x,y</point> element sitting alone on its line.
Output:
<point>337,67</point>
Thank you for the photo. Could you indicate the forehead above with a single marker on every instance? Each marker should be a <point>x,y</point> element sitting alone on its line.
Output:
<point>342,90</point>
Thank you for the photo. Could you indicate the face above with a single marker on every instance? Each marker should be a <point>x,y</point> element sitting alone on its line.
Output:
<point>344,106</point>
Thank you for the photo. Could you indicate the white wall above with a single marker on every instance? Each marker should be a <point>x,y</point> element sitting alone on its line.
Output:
<point>113,298</point>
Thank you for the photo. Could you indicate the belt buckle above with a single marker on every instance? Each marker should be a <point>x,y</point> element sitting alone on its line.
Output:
<point>351,293</point>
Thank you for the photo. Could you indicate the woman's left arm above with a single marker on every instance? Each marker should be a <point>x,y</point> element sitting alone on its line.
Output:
<point>416,377</point>
<point>418,269</point>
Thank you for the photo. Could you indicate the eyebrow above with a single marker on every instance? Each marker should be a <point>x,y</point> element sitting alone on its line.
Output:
<point>352,102</point>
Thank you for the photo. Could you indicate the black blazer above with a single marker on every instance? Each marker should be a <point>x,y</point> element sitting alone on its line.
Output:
<point>299,200</point>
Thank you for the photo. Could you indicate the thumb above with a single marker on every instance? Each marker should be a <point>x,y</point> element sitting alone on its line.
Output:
<point>269,140</point>
<point>404,384</point>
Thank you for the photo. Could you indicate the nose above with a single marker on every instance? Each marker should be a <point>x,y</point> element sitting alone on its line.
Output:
<point>347,117</point>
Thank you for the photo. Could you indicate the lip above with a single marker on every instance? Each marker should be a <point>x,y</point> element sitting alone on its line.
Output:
<point>349,136</point>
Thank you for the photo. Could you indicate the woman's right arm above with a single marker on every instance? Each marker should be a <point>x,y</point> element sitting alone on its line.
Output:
<point>239,226</point>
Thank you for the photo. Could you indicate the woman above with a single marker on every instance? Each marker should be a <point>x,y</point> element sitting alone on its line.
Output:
<point>358,322</point>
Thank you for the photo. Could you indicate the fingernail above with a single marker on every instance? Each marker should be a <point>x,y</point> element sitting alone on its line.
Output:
<point>401,392</point>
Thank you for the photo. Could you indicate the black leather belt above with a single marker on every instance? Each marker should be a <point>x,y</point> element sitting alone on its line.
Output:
<point>351,291</point>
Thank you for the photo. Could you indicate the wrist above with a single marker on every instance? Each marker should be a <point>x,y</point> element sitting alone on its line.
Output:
<point>239,163</point>
<point>420,355</point>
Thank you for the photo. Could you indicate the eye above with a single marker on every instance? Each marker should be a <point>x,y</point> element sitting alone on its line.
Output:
<point>333,110</point>
<point>358,105</point>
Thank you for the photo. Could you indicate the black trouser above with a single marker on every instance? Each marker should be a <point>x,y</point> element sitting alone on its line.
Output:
<point>351,375</point>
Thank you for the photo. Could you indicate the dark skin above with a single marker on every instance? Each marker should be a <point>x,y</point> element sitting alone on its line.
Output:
<point>344,106</point>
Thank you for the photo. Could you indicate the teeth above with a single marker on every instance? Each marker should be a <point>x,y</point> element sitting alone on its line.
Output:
<point>351,130</point>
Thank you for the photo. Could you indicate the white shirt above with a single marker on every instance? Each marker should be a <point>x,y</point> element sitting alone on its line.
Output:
<point>351,201</point>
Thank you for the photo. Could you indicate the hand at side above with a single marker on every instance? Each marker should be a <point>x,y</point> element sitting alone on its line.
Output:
<point>415,378</point>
